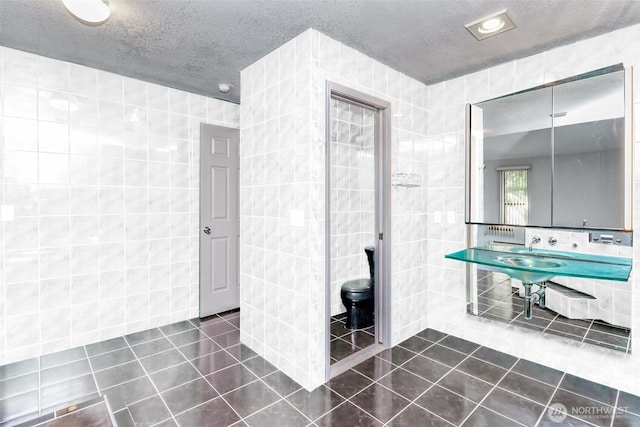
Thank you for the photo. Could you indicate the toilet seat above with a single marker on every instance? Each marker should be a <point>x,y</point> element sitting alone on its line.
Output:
<point>357,290</point>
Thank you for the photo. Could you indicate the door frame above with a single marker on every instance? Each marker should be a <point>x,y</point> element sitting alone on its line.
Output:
<point>382,284</point>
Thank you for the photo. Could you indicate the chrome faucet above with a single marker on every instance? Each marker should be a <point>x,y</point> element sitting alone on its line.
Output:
<point>534,240</point>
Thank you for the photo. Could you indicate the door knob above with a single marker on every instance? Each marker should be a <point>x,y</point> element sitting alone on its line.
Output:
<point>207,230</point>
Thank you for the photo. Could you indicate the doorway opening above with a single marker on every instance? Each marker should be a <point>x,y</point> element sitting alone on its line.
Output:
<point>357,227</point>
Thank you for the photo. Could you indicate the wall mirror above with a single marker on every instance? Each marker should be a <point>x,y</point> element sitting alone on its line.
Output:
<point>559,155</point>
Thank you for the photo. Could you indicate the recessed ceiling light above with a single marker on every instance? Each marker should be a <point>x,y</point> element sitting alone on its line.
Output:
<point>491,25</point>
<point>92,12</point>
<point>224,88</point>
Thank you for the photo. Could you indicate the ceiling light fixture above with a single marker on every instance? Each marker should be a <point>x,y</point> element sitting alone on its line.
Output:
<point>224,88</point>
<point>491,25</point>
<point>91,12</point>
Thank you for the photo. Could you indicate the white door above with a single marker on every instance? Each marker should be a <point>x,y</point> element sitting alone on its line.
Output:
<point>219,220</point>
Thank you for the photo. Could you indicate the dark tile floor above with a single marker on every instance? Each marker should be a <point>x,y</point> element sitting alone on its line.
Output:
<point>497,300</point>
<point>345,342</point>
<point>195,373</point>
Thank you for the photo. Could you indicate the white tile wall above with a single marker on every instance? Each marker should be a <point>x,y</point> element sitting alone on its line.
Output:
<point>100,203</point>
<point>280,303</point>
<point>300,149</point>
<point>446,299</point>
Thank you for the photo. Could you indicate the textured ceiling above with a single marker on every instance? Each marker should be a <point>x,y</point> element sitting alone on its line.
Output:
<point>195,44</point>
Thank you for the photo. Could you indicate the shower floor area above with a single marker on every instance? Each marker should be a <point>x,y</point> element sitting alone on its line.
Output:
<point>345,342</point>
<point>498,300</point>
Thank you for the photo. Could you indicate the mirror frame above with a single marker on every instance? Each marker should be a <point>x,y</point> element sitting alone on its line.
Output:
<point>628,146</point>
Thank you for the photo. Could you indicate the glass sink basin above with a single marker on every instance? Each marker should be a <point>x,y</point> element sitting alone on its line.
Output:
<point>530,263</point>
<point>540,265</point>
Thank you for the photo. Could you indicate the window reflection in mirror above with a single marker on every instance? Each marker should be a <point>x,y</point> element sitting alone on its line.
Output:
<point>514,195</point>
